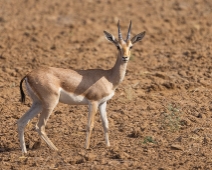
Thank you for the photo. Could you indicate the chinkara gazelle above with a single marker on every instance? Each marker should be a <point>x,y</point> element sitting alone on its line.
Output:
<point>47,86</point>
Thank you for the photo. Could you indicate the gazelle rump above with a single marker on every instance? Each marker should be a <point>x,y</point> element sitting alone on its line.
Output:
<point>47,86</point>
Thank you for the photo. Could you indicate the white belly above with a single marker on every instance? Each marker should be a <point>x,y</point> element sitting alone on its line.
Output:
<point>72,99</point>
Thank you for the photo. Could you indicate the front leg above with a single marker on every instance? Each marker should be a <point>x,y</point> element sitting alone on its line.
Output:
<point>103,114</point>
<point>93,106</point>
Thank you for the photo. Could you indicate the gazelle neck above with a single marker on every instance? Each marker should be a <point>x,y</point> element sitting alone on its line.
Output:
<point>118,71</point>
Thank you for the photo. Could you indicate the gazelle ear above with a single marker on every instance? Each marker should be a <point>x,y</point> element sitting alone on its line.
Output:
<point>138,37</point>
<point>110,37</point>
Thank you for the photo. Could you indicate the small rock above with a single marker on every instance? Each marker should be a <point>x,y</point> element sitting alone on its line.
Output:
<point>169,85</point>
<point>36,145</point>
<point>80,161</point>
<point>151,107</point>
<point>201,115</point>
<point>103,161</point>
<point>162,76</point>
<point>186,122</point>
<point>121,155</point>
<point>178,139</point>
<point>182,73</point>
<point>176,147</point>
<point>57,112</point>
<point>206,140</point>
<point>135,133</point>
<point>77,160</point>
<point>90,157</point>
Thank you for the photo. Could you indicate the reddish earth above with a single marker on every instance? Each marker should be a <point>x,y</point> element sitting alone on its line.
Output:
<point>161,114</point>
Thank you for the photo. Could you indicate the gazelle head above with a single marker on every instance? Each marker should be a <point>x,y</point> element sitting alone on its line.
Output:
<point>124,46</point>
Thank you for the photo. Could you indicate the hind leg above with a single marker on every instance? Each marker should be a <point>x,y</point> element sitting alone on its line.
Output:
<point>44,116</point>
<point>22,122</point>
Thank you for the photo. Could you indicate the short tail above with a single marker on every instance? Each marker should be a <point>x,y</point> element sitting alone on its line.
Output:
<point>22,91</point>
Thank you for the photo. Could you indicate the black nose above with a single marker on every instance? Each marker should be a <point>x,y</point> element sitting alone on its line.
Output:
<point>125,58</point>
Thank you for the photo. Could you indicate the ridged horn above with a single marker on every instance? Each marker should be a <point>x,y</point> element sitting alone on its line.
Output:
<point>129,30</point>
<point>119,32</point>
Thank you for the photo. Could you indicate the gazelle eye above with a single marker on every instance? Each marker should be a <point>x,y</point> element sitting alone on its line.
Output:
<point>131,47</point>
<point>118,47</point>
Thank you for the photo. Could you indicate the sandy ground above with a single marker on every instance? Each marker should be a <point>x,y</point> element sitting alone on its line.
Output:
<point>160,116</point>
